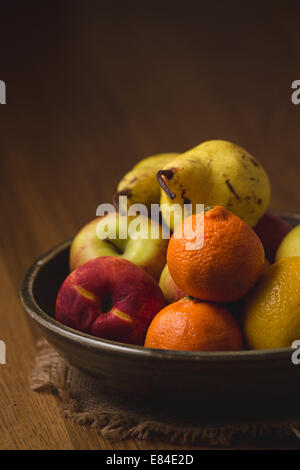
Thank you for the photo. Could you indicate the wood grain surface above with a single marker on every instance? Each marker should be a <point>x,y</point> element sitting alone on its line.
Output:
<point>94,86</point>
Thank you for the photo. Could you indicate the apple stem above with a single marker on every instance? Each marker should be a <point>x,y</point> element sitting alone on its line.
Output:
<point>169,175</point>
<point>115,200</point>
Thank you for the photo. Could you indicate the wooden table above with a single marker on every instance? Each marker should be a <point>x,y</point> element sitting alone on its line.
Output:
<point>91,89</point>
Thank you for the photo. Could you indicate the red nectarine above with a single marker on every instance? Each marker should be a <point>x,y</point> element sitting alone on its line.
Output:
<point>109,297</point>
<point>271,230</point>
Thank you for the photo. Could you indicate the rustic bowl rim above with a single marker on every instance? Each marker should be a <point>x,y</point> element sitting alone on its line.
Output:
<point>45,321</point>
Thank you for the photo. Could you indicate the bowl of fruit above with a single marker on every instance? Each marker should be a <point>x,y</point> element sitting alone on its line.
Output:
<point>209,307</point>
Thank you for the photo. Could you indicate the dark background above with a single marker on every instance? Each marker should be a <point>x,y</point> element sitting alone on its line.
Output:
<point>93,86</point>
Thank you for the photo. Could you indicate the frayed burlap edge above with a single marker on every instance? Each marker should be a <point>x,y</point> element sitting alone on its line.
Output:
<point>117,425</point>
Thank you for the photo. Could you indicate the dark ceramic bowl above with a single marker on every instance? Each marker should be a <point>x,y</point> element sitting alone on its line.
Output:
<point>151,372</point>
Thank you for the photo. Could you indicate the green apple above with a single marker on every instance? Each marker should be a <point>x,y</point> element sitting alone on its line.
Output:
<point>171,292</point>
<point>114,235</point>
<point>290,245</point>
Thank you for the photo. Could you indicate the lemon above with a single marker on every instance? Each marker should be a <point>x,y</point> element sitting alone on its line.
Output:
<point>271,312</point>
<point>290,245</point>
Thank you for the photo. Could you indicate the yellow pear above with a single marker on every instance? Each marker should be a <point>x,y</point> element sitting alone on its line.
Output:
<point>216,172</point>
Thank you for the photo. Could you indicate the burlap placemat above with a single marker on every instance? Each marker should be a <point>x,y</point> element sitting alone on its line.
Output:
<point>85,400</point>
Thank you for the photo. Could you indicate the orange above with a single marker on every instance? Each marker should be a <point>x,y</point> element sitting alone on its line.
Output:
<point>228,264</point>
<point>192,325</point>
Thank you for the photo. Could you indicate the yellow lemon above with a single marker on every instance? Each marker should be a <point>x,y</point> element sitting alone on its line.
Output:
<point>271,312</point>
<point>290,245</point>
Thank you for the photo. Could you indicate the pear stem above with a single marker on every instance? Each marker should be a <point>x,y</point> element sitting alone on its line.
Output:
<point>169,175</point>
